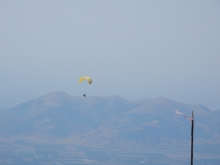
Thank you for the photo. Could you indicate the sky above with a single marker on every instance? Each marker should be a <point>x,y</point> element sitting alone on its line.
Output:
<point>133,49</point>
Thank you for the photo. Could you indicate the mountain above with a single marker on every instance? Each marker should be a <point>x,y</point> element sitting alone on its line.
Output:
<point>108,122</point>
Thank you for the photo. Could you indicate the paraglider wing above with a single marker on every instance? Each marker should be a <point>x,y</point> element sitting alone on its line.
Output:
<point>81,79</point>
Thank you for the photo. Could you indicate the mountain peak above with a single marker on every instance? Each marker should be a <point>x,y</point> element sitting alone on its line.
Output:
<point>52,99</point>
<point>60,115</point>
<point>57,94</point>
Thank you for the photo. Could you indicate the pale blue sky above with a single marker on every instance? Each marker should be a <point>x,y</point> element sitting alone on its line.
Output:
<point>134,49</point>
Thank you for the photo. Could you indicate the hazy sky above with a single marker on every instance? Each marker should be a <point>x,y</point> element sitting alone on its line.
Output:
<point>134,49</point>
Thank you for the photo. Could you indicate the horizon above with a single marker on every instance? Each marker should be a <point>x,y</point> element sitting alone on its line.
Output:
<point>134,49</point>
<point>88,96</point>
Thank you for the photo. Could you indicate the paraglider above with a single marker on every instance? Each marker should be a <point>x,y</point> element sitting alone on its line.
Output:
<point>81,79</point>
<point>89,80</point>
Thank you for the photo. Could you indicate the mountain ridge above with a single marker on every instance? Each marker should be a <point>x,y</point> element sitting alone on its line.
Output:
<point>104,121</point>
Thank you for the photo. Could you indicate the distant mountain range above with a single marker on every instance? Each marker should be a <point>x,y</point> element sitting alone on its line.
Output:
<point>109,122</point>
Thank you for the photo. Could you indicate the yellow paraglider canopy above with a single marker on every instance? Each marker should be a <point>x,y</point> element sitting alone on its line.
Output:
<point>81,79</point>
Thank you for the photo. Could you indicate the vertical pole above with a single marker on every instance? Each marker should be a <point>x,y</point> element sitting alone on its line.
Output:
<point>192,129</point>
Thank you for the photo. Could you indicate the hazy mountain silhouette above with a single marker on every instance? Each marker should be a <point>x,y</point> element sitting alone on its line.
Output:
<point>108,122</point>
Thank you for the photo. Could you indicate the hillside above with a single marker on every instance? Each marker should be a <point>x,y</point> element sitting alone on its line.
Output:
<point>108,122</point>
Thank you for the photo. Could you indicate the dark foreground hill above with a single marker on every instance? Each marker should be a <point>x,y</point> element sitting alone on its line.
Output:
<point>108,122</point>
